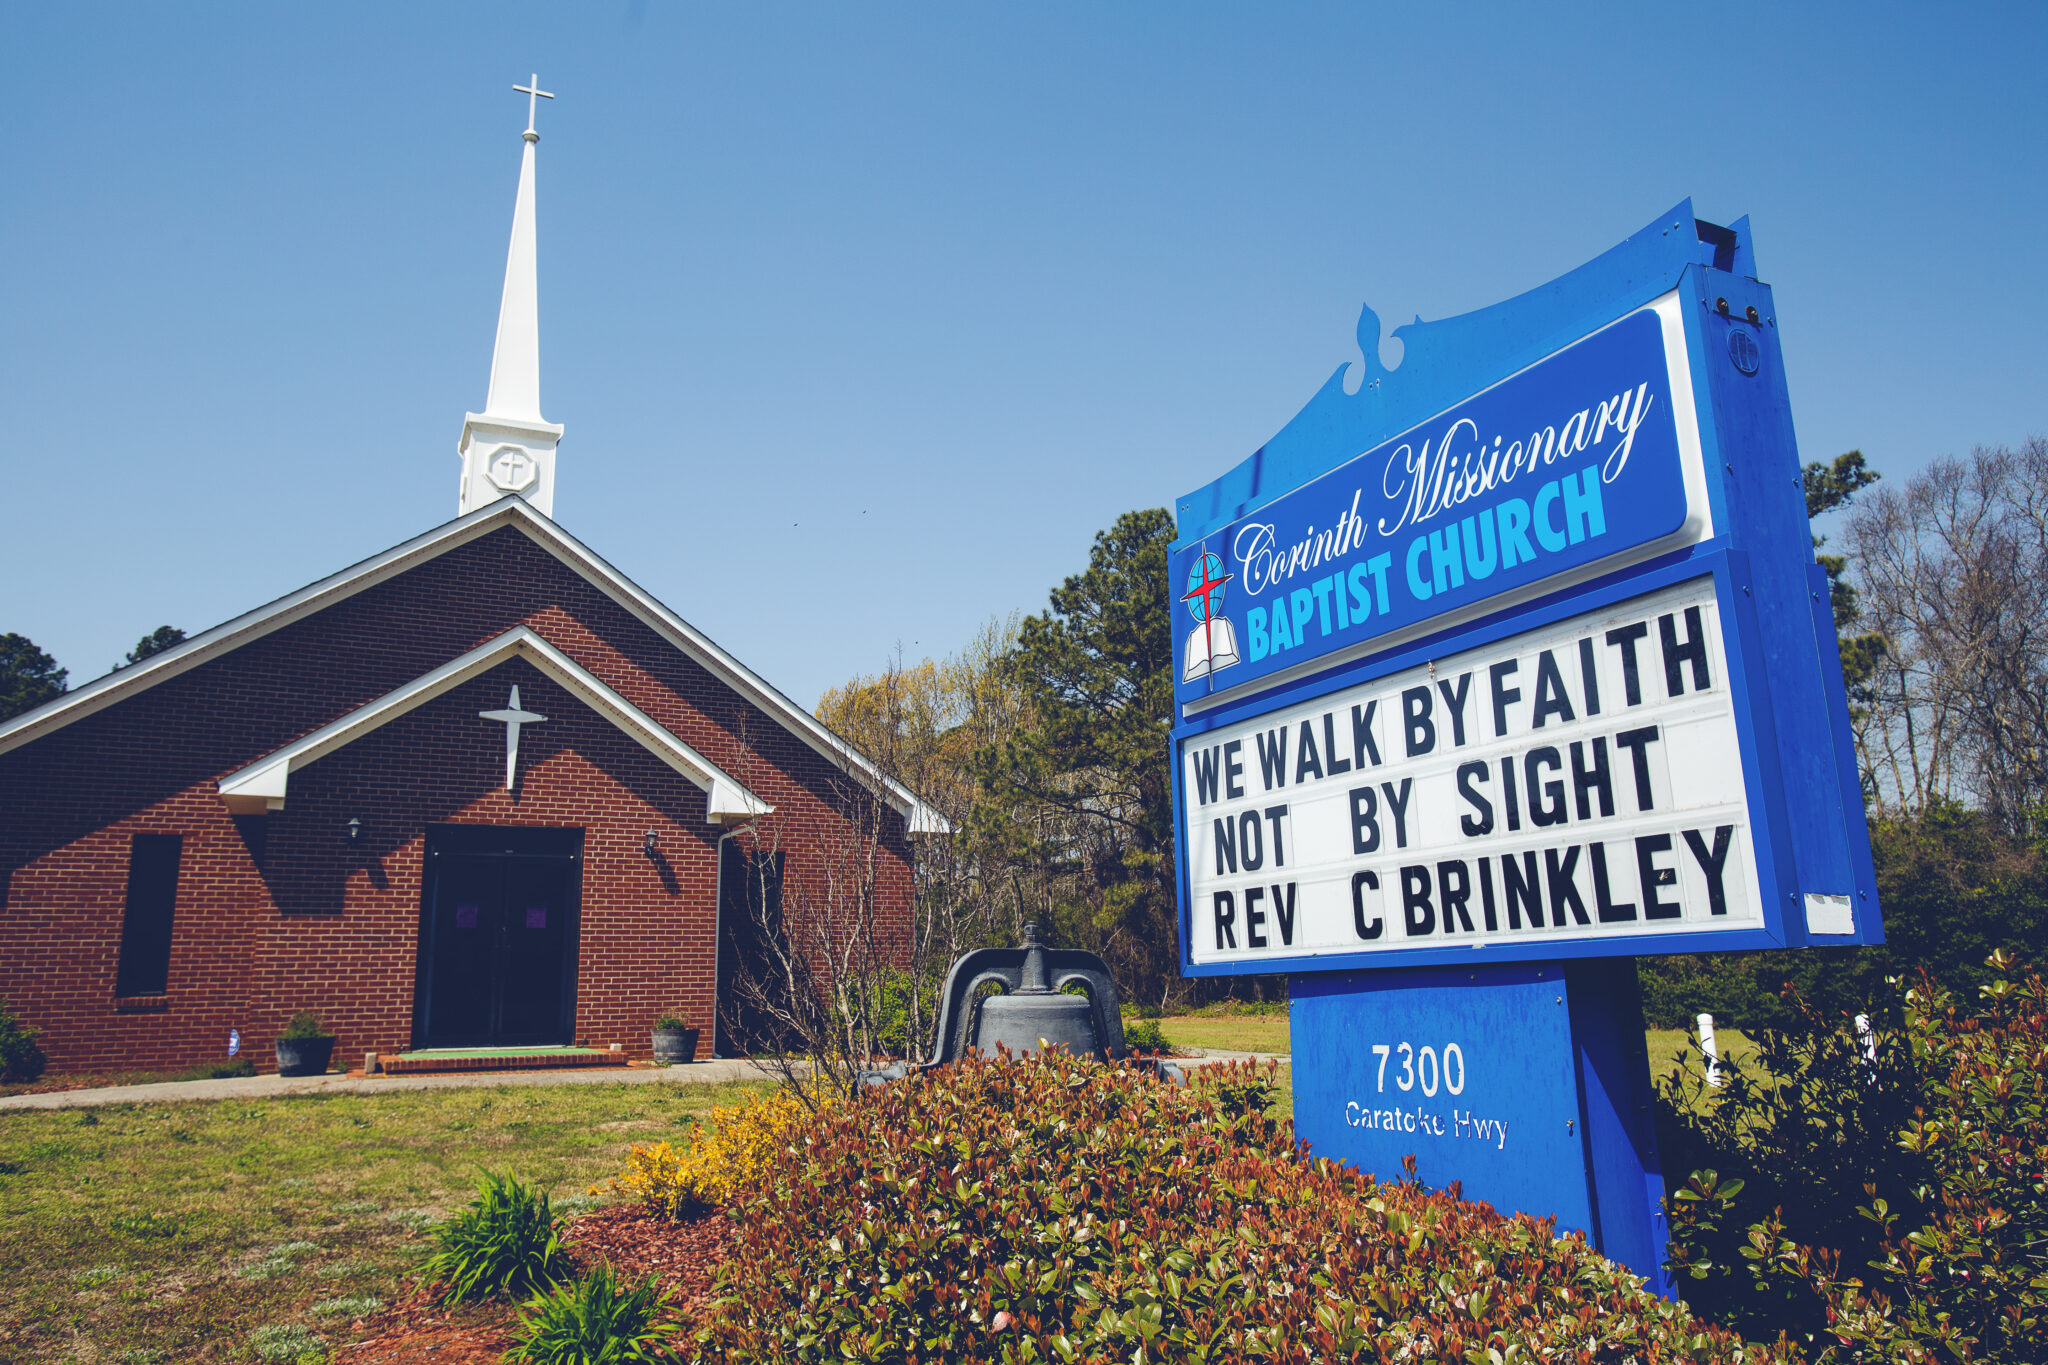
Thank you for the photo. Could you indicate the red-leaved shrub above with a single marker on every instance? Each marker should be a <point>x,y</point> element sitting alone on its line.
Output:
<point>1063,1210</point>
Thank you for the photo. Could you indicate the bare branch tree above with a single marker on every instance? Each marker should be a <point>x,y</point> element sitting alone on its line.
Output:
<point>847,933</point>
<point>819,936</point>
<point>922,724</point>
<point>1953,572</point>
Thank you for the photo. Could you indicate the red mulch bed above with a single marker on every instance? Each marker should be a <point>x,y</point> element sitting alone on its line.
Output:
<point>684,1255</point>
<point>418,1329</point>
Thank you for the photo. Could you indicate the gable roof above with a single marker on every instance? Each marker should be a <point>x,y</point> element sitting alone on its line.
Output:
<point>262,785</point>
<point>516,514</point>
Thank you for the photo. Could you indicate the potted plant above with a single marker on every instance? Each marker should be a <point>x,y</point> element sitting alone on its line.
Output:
<point>304,1048</point>
<point>674,1041</point>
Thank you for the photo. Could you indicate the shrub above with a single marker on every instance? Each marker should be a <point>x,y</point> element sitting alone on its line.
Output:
<point>892,1012</point>
<point>1802,1127</point>
<point>1962,1268</point>
<point>503,1244</point>
<point>1942,1150</point>
<point>304,1024</point>
<point>595,1319</point>
<point>1143,1035</point>
<point>1255,1009</point>
<point>1065,1210</point>
<point>731,1145</point>
<point>671,1021</point>
<point>1238,1091</point>
<point>21,1058</point>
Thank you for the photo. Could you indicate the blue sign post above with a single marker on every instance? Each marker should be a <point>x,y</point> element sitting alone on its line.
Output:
<point>1497,671</point>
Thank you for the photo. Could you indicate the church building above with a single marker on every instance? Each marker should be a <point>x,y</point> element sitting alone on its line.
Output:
<point>478,791</point>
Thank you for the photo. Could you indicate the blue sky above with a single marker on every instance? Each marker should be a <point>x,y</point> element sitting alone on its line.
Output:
<point>863,319</point>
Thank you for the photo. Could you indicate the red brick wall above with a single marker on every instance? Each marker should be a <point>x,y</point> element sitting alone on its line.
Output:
<point>333,927</point>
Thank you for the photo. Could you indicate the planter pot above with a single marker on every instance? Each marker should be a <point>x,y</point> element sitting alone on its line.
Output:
<point>672,1045</point>
<point>304,1056</point>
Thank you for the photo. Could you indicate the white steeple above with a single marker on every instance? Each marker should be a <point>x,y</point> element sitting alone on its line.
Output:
<point>508,449</point>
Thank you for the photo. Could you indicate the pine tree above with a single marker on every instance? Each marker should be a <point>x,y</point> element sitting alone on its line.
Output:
<point>1828,487</point>
<point>28,677</point>
<point>156,642</point>
<point>1088,777</point>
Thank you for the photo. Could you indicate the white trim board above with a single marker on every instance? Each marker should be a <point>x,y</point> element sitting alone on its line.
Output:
<point>262,785</point>
<point>514,512</point>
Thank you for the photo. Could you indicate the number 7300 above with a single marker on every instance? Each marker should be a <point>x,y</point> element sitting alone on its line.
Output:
<point>1422,1068</point>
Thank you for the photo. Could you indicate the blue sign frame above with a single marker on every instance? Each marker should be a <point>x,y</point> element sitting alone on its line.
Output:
<point>1790,709</point>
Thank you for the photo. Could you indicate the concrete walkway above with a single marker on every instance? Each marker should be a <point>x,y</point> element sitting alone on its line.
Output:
<point>272,1087</point>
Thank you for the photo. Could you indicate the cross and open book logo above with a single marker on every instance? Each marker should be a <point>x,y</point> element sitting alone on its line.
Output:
<point>1212,644</point>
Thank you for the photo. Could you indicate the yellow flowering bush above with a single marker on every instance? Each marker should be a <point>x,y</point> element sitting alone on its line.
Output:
<point>731,1145</point>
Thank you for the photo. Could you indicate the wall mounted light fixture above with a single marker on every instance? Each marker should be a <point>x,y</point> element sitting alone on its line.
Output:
<point>355,829</point>
<point>650,843</point>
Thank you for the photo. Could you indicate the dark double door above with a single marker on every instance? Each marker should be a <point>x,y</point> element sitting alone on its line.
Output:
<point>498,937</point>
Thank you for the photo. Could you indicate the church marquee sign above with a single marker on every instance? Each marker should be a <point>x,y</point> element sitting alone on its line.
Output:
<point>1518,652</point>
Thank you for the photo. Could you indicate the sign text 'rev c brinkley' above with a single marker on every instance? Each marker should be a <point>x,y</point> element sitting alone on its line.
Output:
<point>1576,782</point>
<point>1578,459</point>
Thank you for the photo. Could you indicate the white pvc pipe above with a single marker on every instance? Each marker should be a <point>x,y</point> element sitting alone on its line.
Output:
<point>1710,1051</point>
<point>1868,1037</point>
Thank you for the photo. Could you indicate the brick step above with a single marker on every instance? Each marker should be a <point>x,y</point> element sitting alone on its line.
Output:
<point>414,1064</point>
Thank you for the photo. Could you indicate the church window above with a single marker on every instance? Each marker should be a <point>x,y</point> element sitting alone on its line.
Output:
<point>146,922</point>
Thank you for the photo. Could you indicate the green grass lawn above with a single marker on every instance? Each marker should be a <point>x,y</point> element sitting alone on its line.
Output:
<point>1227,1032</point>
<point>172,1232</point>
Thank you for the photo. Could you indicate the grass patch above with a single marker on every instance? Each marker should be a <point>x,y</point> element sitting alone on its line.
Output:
<point>1669,1045</point>
<point>128,1236</point>
<point>1227,1032</point>
<point>347,1270</point>
<point>286,1341</point>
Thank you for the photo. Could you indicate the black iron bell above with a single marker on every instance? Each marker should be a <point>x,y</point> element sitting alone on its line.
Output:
<point>1033,1012</point>
<point>1034,1016</point>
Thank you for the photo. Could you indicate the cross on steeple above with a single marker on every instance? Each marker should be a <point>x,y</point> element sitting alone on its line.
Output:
<point>534,95</point>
